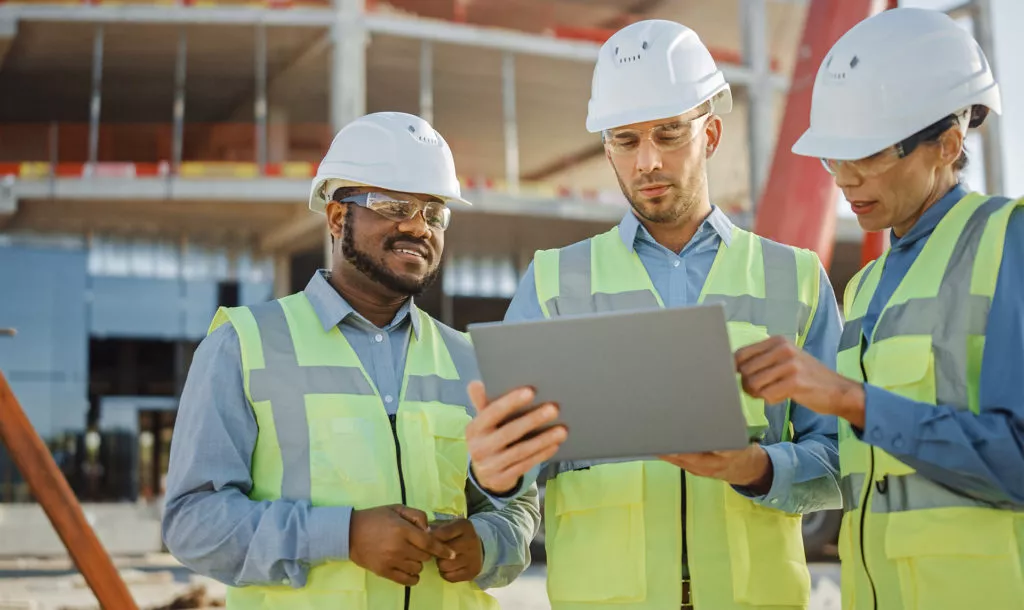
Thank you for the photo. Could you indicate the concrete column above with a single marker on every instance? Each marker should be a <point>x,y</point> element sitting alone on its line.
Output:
<point>982,12</point>
<point>760,94</point>
<point>508,88</point>
<point>95,101</point>
<point>427,81</point>
<point>348,70</point>
<point>282,275</point>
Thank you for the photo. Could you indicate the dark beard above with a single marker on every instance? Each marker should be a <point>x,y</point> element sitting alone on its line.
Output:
<point>376,270</point>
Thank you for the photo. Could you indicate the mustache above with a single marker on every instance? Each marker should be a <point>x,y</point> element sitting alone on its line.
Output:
<point>652,179</point>
<point>390,242</point>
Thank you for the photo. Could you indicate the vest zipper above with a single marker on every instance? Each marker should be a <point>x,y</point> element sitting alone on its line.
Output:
<point>863,516</point>
<point>867,497</point>
<point>401,480</point>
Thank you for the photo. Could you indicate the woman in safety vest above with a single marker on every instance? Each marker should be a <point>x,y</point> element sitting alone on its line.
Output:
<point>931,391</point>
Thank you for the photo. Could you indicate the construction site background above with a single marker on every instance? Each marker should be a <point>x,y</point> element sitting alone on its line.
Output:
<point>155,159</point>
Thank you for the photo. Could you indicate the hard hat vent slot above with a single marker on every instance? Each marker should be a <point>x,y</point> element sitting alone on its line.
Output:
<point>425,139</point>
<point>630,57</point>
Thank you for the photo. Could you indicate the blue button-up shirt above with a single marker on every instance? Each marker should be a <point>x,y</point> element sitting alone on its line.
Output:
<point>981,455</point>
<point>212,526</point>
<point>805,471</point>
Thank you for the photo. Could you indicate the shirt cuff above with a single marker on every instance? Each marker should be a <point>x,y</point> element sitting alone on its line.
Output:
<point>489,541</point>
<point>890,421</point>
<point>328,529</point>
<point>783,469</point>
<point>499,501</point>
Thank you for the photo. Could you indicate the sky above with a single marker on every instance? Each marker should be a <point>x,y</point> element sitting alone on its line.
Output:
<point>1008,16</point>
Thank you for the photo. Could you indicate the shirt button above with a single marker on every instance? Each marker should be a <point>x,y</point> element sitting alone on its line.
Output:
<point>388,399</point>
<point>378,338</point>
<point>876,434</point>
<point>898,442</point>
<point>675,264</point>
<point>286,581</point>
<point>775,500</point>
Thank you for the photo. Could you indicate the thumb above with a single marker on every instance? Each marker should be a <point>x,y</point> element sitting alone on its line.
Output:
<point>412,515</point>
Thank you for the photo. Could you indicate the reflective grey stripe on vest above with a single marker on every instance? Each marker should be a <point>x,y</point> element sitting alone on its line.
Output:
<point>285,384</point>
<point>950,316</point>
<point>851,486</point>
<point>916,492</point>
<point>853,329</point>
<point>574,291</point>
<point>423,388</point>
<point>781,311</point>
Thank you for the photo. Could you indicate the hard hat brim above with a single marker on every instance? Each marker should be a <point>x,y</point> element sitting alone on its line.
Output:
<point>721,98</point>
<point>318,203</point>
<point>840,148</point>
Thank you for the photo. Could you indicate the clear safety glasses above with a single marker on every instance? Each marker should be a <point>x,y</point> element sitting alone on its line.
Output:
<point>400,208</point>
<point>868,167</point>
<point>666,137</point>
<point>883,161</point>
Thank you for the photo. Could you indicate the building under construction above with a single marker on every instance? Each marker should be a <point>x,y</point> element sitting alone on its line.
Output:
<point>155,159</point>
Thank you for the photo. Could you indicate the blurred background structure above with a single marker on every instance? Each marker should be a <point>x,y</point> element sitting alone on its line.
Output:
<point>155,159</point>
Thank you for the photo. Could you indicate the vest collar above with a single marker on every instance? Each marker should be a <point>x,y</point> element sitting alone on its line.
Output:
<point>332,309</point>
<point>630,229</point>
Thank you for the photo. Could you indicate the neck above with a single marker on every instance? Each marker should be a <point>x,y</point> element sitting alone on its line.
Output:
<point>943,185</point>
<point>368,298</point>
<point>675,234</point>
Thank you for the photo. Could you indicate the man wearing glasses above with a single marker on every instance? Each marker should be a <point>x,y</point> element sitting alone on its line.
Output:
<point>715,531</point>
<point>319,457</point>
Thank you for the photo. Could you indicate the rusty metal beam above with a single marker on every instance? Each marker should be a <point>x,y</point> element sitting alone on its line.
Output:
<point>797,206</point>
<point>51,489</point>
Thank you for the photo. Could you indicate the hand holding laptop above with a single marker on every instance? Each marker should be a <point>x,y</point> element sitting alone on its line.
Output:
<point>503,446</point>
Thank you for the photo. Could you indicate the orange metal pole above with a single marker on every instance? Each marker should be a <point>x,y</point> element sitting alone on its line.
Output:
<point>797,206</point>
<point>54,494</point>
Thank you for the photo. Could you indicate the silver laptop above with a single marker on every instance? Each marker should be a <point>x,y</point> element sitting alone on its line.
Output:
<point>632,384</point>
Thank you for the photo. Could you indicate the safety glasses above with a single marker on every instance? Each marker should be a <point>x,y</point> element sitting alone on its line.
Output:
<point>666,137</point>
<point>882,161</point>
<point>399,208</point>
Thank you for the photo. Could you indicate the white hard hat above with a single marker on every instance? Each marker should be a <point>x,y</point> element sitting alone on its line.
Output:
<point>891,76</point>
<point>652,70</point>
<point>394,151</point>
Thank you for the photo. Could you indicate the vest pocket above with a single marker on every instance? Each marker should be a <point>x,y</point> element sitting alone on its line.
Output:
<point>767,558</point>
<point>467,596</point>
<point>955,558</point>
<point>331,586</point>
<point>450,460</point>
<point>742,334</point>
<point>903,365</point>
<point>596,539</point>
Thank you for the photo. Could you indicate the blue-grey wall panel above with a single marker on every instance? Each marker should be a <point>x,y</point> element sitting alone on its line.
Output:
<point>136,307</point>
<point>200,305</point>
<point>43,297</point>
<point>251,293</point>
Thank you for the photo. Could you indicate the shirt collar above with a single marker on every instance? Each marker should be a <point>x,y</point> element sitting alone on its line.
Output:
<point>929,219</point>
<point>630,229</point>
<point>332,309</point>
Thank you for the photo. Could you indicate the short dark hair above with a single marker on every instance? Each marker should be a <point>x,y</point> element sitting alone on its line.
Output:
<point>931,135</point>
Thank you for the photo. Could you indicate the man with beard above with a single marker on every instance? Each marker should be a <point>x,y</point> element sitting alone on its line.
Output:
<point>714,531</point>
<point>319,458</point>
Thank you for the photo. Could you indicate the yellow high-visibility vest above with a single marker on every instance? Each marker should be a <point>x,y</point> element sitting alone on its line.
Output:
<point>613,531</point>
<point>907,542</point>
<point>325,437</point>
